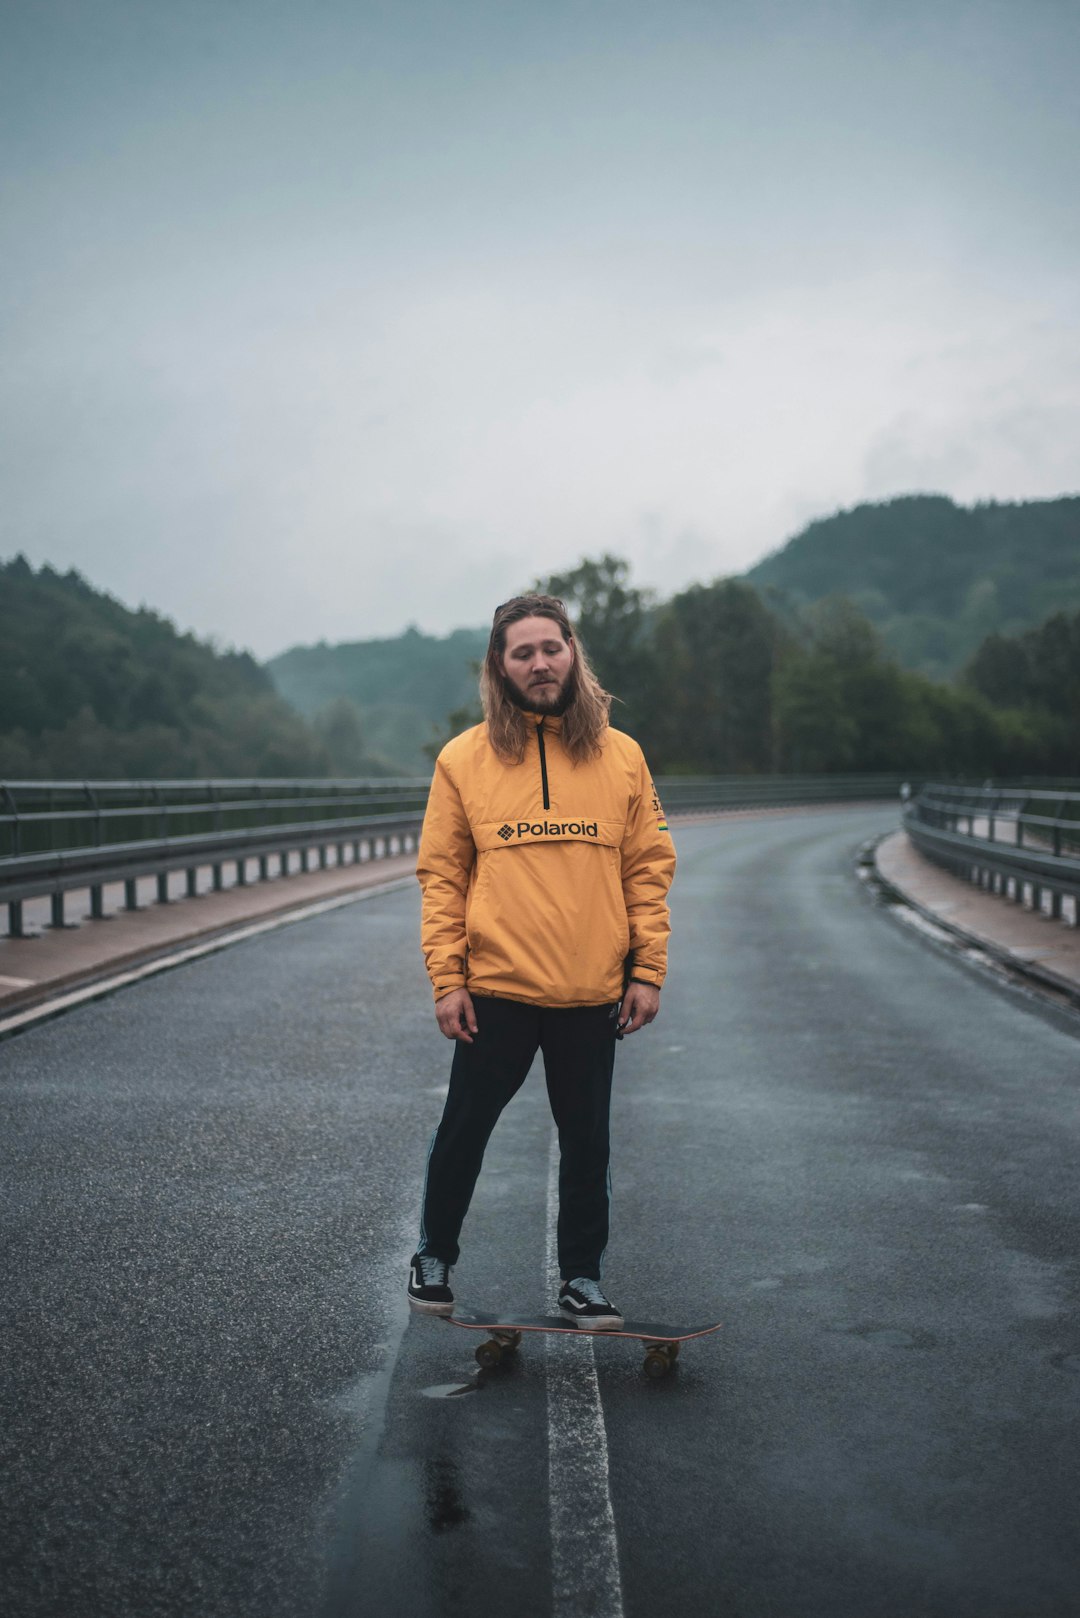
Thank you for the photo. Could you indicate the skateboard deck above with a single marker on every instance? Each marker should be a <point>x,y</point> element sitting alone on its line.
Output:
<point>504,1334</point>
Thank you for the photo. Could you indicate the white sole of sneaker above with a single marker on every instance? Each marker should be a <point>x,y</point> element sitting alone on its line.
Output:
<point>425,1308</point>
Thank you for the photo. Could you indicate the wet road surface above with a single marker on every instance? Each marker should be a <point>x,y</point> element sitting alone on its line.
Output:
<point>853,1151</point>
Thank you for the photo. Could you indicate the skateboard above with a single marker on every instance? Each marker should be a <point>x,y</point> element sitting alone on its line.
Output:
<point>504,1336</point>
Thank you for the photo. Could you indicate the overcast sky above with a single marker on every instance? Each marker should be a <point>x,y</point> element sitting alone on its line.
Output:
<point>325,318</point>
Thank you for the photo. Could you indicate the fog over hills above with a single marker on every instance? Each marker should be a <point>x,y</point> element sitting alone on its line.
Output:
<point>404,687</point>
<point>935,578</point>
<point>914,634</point>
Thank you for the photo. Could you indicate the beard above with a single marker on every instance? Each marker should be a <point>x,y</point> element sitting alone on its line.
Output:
<point>540,699</point>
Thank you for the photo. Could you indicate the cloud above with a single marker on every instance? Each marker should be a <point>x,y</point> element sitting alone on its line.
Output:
<point>319,327</point>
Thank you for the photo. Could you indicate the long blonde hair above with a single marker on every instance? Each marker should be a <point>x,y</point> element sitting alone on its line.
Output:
<point>585,716</point>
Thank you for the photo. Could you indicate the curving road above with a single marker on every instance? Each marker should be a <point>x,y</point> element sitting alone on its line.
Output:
<point>854,1151</point>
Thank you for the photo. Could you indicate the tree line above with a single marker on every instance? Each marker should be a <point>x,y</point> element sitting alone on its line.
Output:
<point>719,678</point>
<point>723,678</point>
<point>91,689</point>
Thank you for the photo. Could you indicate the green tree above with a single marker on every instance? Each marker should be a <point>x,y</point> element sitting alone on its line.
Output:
<point>339,728</point>
<point>716,649</point>
<point>459,719</point>
<point>613,619</point>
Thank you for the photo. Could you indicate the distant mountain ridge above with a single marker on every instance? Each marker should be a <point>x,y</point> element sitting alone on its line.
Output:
<point>403,686</point>
<point>777,670</point>
<point>934,577</point>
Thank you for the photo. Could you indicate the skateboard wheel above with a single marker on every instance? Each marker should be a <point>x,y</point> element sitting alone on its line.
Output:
<point>488,1355</point>
<point>657,1364</point>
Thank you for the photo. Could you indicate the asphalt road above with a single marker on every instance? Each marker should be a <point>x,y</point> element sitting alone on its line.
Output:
<point>855,1152</point>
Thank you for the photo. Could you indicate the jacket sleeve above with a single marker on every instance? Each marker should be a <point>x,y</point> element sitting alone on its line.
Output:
<point>444,869</point>
<point>648,865</point>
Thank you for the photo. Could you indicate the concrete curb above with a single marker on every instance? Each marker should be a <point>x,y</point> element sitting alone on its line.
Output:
<point>983,953</point>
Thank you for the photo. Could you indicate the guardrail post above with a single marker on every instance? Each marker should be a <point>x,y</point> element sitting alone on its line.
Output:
<point>15,919</point>
<point>219,880</point>
<point>16,838</point>
<point>92,800</point>
<point>283,863</point>
<point>241,872</point>
<point>192,882</point>
<point>323,856</point>
<point>131,894</point>
<point>97,902</point>
<point>264,868</point>
<point>163,887</point>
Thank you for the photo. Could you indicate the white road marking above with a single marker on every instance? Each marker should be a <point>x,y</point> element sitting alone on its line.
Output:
<point>584,1549</point>
<point>17,983</point>
<point>163,963</point>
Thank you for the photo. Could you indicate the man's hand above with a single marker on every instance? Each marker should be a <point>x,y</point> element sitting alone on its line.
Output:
<point>640,1004</point>
<point>455,1015</point>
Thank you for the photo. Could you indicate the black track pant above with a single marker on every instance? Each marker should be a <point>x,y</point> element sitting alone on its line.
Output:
<point>579,1056</point>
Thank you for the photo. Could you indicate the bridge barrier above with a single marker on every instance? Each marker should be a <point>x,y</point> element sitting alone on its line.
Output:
<point>57,837</point>
<point>1020,842</point>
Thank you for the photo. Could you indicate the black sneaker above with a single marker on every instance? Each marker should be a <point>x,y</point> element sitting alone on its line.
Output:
<point>582,1301</point>
<point>429,1285</point>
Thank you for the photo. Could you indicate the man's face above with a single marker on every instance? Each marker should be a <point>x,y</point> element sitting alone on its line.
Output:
<point>537,662</point>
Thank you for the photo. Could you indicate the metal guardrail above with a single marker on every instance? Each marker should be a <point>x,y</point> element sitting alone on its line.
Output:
<point>63,836</point>
<point>57,837</point>
<point>683,793</point>
<point>1017,841</point>
<point>39,816</point>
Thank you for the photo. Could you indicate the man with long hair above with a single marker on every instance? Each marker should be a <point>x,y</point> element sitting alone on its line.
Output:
<point>545,862</point>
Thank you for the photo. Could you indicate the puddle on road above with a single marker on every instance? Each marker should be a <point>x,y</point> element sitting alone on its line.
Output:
<point>444,1503</point>
<point>450,1390</point>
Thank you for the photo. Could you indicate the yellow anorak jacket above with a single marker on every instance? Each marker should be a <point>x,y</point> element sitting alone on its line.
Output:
<point>544,881</point>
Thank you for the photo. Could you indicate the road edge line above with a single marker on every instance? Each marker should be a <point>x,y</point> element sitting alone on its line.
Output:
<point>57,1005</point>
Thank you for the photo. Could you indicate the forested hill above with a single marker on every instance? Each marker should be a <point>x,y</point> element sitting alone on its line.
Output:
<point>935,578</point>
<point>404,686</point>
<point>91,688</point>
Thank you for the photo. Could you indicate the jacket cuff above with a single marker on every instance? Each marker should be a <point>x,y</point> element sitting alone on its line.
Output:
<point>447,985</point>
<point>652,975</point>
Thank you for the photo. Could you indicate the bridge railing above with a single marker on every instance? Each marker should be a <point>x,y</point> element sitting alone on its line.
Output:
<point>57,837</point>
<point>1018,841</point>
